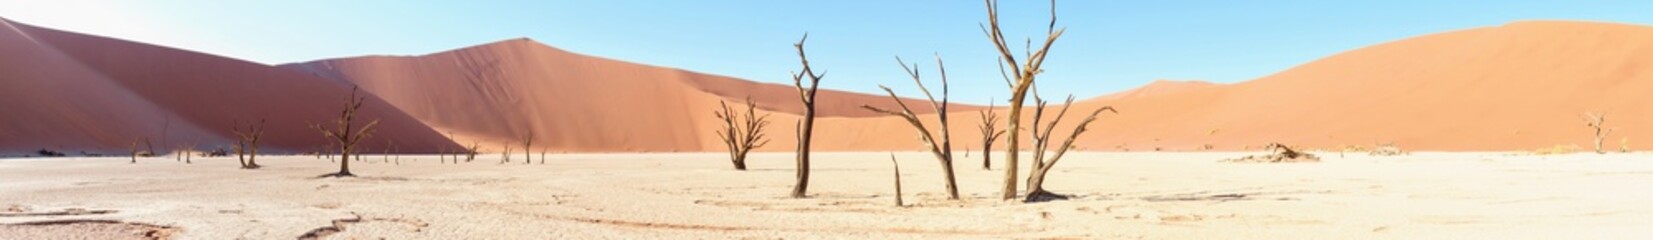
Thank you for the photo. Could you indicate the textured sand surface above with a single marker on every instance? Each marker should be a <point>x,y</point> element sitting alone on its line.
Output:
<point>628,196</point>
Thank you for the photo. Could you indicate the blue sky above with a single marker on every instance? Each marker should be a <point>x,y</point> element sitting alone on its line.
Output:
<point>1110,45</point>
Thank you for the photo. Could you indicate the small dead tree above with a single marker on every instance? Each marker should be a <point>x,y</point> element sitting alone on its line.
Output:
<point>134,151</point>
<point>741,138</point>
<point>806,125</point>
<point>246,145</point>
<point>470,153</point>
<point>1594,121</point>
<point>897,166</point>
<point>943,151</point>
<point>505,156</point>
<point>1025,72</point>
<point>988,133</point>
<point>345,135</point>
<point>1041,140</point>
<point>527,143</point>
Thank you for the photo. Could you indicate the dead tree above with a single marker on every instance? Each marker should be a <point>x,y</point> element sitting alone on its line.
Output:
<point>741,138</point>
<point>134,151</point>
<point>505,156</point>
<point>988,134</point>
<point>806,125</point>
<point>246,145</point>
<point>1025,72</point>
<point>943,151</point>
<point>189,151</point>
<point>897,180</point>
<point>1594,121</point>
<point>542,156</point>
<point>345,135</point>
<point>470,153</point>
<point>527,143</point>
<point>1041,140</point>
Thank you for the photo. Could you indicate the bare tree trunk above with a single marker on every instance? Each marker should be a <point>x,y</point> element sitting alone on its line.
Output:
<point>134,151</point>
<point>1024,78</point>
<point>527,143</point>
<point>897,166</point>
<point>807,124</point>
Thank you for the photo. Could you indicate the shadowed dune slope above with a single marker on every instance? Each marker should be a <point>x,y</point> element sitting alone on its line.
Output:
<point>75,92</point>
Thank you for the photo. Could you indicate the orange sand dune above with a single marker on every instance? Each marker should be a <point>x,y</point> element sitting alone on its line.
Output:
<point>1519,86</point>
<point>1514,87</point>
<point>73,92</point>
<point>498,93</point>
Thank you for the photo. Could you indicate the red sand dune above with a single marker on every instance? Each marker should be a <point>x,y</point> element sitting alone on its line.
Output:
<point>1515,87</point>
<point>495,94</point>
<point>73,92</point>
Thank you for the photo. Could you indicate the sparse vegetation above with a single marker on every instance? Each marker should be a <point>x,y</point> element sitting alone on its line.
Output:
<point>1278,153</point>
<point>943,151</point>
<point>806,125</point>
<point>1387,149</point>
<point>741,138</point>
<point>49,153</point>
<point>345,135</point>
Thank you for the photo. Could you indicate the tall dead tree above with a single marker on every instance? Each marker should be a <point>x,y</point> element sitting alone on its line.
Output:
<point>806,125</point>
<point>943,151</point>
<point>1594,121</point>
<point>741,133</point>
<point>988,133</point>
<point>1041,143</point>
<point>246,144</point>
<point>1025,72</point>
<point>345,135</point>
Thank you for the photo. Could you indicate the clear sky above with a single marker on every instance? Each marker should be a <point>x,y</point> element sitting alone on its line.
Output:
<point>1110,45</point>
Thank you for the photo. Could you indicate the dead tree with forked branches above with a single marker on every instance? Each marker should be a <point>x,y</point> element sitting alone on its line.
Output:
<point>246,144</point>
<point>988,133</point>
<point>1041,143</point>
<point>943,151</point>
<point>806,125</point>
<point>345,135</point>
<point>1594,121</point>
<point>1024,74</point>
<point>741,133</point>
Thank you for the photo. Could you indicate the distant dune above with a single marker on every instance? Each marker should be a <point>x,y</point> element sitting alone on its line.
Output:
<point>1514,87</point>
<point>73,92</point>
<point>500,92</point>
